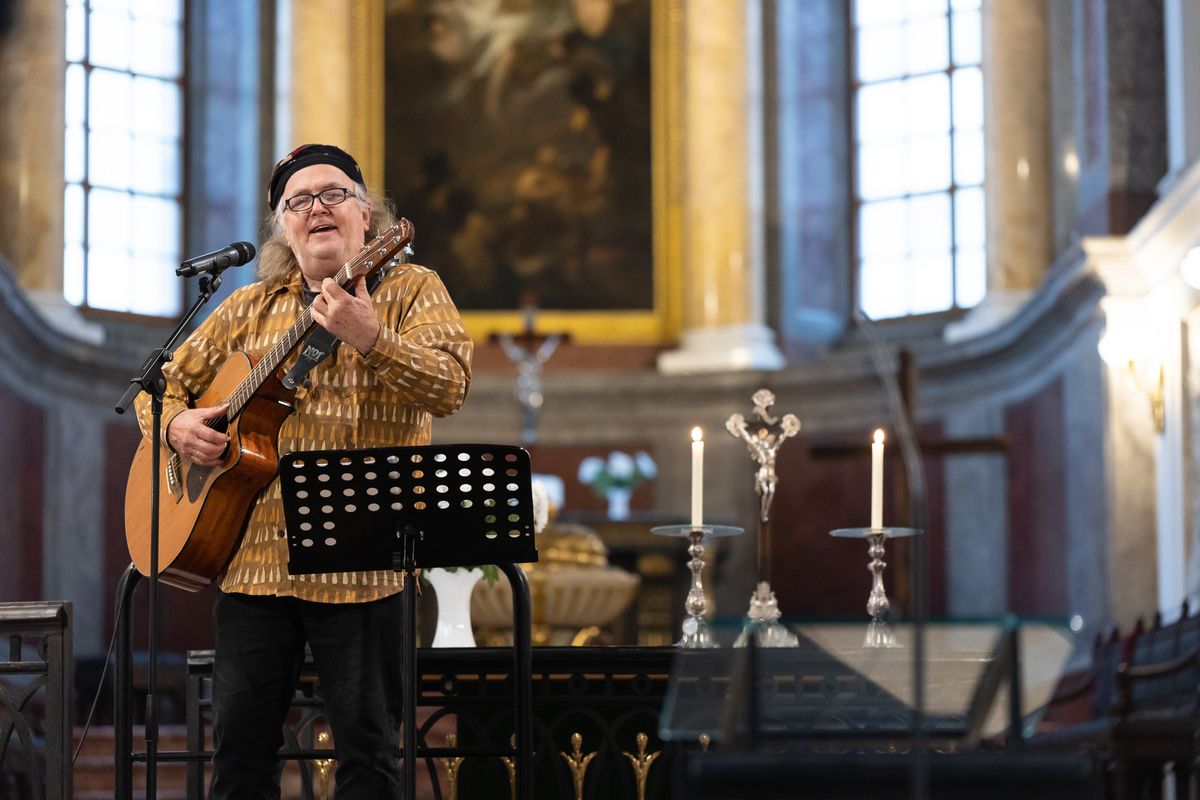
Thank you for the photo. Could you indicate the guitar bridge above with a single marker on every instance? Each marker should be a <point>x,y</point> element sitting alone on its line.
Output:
<point>174,483</point>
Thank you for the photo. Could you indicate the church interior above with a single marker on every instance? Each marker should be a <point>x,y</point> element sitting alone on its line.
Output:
<point>970,225</point>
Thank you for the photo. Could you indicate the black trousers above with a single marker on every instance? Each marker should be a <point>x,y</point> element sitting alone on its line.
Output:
<point>260,650</point>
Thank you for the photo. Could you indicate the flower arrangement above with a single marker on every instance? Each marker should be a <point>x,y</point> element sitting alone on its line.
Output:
<point>619,471</point>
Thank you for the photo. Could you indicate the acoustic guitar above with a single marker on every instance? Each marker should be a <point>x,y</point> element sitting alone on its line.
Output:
<point>203,510</point>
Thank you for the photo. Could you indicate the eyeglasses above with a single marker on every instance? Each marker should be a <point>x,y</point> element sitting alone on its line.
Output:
<point>328,197</point>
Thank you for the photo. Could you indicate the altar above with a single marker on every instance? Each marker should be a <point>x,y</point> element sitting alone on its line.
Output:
<point>650,722</point>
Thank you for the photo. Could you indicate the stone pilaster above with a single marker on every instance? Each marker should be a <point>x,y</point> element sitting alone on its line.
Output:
<point>1019,167</point>
<point>722,205</point>
<point>32,60</point>
<point>336,78</point>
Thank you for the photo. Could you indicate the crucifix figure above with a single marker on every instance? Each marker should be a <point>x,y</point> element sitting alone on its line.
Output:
<point>529,351</point>
<point>763,437</point>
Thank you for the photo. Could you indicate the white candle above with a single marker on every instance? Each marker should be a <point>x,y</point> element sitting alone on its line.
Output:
<point>877,480</point>
<point>697,477</point>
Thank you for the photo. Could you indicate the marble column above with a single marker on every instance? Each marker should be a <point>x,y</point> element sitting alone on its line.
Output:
<point>32,59</point>
<point>722,204</point>
<point>336,78</point>
<point>1019,167</point>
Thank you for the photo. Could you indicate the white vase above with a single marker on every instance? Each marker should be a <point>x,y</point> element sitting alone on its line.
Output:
<point>618,502</point>
<point>453,591</point>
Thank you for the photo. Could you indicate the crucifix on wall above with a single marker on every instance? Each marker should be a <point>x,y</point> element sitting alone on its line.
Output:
<point>901,492</point>
<point>529,351</point>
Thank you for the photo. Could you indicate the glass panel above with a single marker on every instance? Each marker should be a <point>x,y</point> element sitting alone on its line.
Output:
<point>74,94</point>
<point>969,220</point>
<point>927,45</point>
<point>156,49</point>
<point>109,39</point>
<point>76,30</point>
<point>880,53</point>
<point>161,10</point>
<point>108,220</point>
<point>931,282</point>
<point>110,161</point>
<point>110,99</point>
<point>73,214</point>
<point>965,5</point>
<point>970,272</point>
<point>968,157</point>
<point>73,274</point>
<point>884,293</point>
<point>111,5</point>
<point>156,169</point>
<point>108,280</point>
<point>870,13</point>
<point>968,98</point>
<point>916,9</point>
<point>880,110</point>
<point>156,225</point>
<point>882,171</point>
<point>929,221</point>
<point>74,143</point>
<point>928,164</point>
<point>883,229</point>
<point>968,39</point>
<point>153,288</point>
<point>156,109</point>
<point>927,102</point>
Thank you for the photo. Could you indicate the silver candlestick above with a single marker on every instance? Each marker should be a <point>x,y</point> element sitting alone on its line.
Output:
<point>879,632</point>
<point>696,632</point>
<point>764,437</point>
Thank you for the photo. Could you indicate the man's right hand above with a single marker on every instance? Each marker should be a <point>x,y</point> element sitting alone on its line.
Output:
<point>190,436</point>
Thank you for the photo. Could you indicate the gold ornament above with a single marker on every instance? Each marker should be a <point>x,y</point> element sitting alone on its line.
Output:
<point>578,762</point>
<point>641,763</point>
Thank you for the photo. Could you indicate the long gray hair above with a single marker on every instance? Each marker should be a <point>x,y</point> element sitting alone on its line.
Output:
<point>276,260</point>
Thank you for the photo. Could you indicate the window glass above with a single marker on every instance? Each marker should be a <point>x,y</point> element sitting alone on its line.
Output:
<point>919,156</point>
<point>123,155</point>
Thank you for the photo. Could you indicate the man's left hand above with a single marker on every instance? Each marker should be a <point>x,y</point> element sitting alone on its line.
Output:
<point>350,317</point>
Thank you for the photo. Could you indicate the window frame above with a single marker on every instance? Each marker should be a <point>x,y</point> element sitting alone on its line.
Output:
<point>102,313</point>
<point>911,324</point>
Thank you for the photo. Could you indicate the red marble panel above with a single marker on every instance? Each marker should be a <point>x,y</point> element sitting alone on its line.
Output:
<point>23,441</point>
<point>1037,544</point>
<point>814,574</point>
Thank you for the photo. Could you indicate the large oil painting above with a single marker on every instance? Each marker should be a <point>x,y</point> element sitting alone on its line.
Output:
<point>518,142</point>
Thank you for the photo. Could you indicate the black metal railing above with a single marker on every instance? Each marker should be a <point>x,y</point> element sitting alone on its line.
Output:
<point>35,701</point>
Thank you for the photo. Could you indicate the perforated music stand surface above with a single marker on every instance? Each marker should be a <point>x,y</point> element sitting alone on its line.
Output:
<point>399,508</point>
<point>472,502</point>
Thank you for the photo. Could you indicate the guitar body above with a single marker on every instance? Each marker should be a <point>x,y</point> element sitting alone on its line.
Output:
<point>203,510</point>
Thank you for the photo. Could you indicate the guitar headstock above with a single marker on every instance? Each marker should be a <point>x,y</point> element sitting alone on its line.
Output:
<point>379,251</point>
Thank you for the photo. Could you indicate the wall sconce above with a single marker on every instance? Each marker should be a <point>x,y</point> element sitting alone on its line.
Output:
<point>1189,268</point>
<point>1128,346</point>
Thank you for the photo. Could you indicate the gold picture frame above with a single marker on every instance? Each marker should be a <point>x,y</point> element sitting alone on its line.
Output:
<point>663,322</point>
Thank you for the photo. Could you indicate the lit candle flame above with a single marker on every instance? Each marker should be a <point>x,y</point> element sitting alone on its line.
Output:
<point>697,434</point>
<point>879,436</point>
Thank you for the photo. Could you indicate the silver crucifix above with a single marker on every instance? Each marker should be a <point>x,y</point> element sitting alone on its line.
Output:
<point>763,437</point>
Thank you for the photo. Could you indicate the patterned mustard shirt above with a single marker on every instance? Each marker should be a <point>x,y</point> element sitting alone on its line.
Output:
<point>420,368</point>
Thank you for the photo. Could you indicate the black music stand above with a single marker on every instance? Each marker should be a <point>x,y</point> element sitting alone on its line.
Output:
<point>407,507</point>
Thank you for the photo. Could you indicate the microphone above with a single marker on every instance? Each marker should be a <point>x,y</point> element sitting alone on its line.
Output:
<point>217,261</point>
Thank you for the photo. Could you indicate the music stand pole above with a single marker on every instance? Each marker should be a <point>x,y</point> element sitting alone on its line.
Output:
<point>152,382</point>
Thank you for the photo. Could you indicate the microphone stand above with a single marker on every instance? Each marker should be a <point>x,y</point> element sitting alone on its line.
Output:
<point>152,382</point>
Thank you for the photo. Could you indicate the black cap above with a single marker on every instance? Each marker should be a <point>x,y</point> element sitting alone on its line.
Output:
<point>305,156</point>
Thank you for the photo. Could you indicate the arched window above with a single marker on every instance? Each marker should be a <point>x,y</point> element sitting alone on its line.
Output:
<point>918,156</point>
<point>123,158</point>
